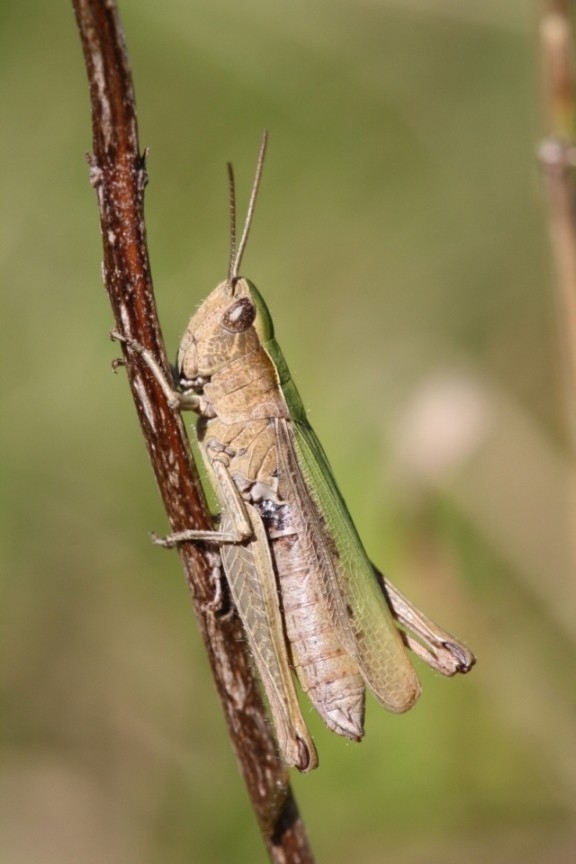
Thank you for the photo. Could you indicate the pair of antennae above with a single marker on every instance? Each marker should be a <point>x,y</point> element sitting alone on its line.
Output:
<point>236,254</point>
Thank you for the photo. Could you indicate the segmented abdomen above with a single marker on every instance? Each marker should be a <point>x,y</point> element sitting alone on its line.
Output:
<point>326,672</point>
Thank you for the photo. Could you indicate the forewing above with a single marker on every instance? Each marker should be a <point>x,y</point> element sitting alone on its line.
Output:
<point>366,627</point>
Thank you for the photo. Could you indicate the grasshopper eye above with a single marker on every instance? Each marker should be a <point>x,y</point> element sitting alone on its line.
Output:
<point>240,316</point>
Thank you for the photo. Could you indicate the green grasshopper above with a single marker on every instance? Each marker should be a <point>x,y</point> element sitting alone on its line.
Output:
<point>310,600</point>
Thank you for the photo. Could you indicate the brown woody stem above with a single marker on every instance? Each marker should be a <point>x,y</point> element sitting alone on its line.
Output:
<point>118,173</point>
<point>558,159</point>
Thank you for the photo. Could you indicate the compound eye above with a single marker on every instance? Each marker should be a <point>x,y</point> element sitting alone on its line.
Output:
<point>240,316</point>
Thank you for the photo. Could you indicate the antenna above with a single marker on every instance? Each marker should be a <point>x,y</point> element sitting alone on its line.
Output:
<point>237,253</point>
<point>232,206</point>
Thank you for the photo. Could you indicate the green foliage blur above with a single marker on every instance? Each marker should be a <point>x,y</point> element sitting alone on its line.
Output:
<point>400,240</point>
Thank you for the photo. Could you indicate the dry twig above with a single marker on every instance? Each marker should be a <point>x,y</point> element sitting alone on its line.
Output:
<point>558,158</point>
<point>118,173</point>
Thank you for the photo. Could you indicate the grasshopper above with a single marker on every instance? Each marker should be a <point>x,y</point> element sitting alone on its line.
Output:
<point>310,600</point>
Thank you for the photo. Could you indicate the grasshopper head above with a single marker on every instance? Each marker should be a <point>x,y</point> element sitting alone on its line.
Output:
<point>233,322</point>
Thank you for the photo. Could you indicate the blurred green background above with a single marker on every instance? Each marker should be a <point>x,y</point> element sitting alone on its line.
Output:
<point>401,242</point>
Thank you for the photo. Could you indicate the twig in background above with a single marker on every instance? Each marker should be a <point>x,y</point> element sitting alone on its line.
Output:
<point>558,158</point>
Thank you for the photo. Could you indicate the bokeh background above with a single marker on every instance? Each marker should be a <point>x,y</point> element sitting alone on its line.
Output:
<point>401,242</point>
